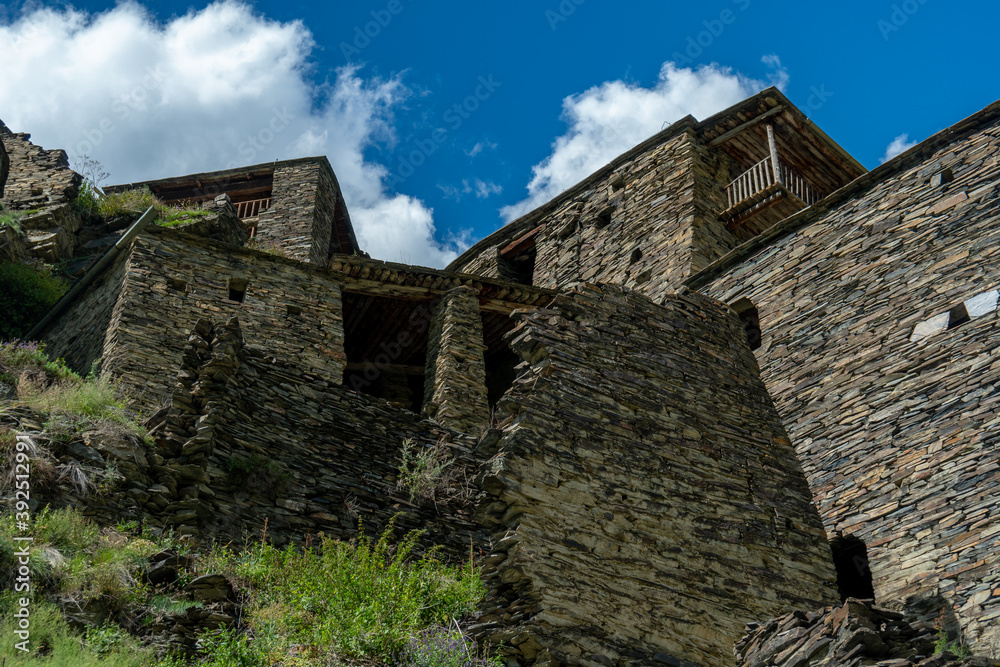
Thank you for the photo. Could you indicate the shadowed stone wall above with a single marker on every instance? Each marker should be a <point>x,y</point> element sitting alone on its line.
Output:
<point>290,310</point>
<point>880,350</point>
<point>315,456</point>
<point>645,500</point>
<point>41,183</point>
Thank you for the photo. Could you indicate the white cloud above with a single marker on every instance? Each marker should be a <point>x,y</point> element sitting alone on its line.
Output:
<point>215,88</point>
<point>482,189</point>
<point>899,145</point>
<point>480,147</point>
<point>611,118</point>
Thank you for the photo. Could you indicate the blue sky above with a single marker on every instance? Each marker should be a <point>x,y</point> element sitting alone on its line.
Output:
<point>546,91</point>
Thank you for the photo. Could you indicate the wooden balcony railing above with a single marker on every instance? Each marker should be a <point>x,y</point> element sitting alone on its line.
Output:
<point>760,179</point>
<point>252,208</point>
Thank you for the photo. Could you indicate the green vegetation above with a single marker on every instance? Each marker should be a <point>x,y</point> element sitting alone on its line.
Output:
<point>946,645</point>
<point>425,472</point>
<point>13,219</point>
<point>26,293</point>
<point>363,600</point>
<point>131,204</point>
<point>173,217</point>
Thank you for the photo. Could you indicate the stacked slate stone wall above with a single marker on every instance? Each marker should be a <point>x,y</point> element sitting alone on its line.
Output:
<point>455,389</point>
<point>290,310</point>
<point>852,635</point>
<point>4,160</point>
<point>303,202</point>
<point>78,335</point>
<point>249,438</point>
<point>880,350</point>
<point>645,500</point>
<point>634,226</point>
<point>41,183</point>
<point>648,224</point>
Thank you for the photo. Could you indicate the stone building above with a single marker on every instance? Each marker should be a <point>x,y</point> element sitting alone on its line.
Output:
<point>722,377</point>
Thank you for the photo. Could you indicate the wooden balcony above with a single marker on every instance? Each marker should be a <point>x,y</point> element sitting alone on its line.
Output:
<point>762,185</point>
<point>252,208</point>
<point>770,185</point>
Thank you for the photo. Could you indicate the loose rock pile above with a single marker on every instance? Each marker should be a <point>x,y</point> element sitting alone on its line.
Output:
<point>858,633</point>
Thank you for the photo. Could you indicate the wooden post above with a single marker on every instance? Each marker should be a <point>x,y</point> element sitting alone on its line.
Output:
<point>774,153</point>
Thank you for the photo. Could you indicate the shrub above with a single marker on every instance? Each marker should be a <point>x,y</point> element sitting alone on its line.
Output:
<point>356,600</point>
<point>440,646</point>
<point>26,293</point>
<point>424,471</point>
<point>52,637</point>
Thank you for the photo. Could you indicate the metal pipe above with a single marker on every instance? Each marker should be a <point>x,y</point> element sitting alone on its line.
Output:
<point>92,273</point>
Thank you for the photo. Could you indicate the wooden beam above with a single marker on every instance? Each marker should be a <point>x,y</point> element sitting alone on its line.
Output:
<point>723,138</point>
<point>774,153</point>
<point>520,244</point>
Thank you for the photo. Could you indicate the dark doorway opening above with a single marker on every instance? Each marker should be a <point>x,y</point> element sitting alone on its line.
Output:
<point>751,321</point>
<point>385,341</point>
<point>501,361</point>
<point>854,576</point>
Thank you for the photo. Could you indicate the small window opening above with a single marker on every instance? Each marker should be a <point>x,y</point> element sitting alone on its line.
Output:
<point>854,576</point>
<point>618,184</point>
<point>177,284</point>
<point>942,177</point>
<point>604,218</point>
<point>636,256</point>
<point>958,316</point>
<point>518,266</point>
<point>237,289</point>
<point>293,311</point>
<point>751,321</point>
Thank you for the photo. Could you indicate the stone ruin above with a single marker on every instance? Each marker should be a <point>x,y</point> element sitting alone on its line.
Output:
<point>730,376</point>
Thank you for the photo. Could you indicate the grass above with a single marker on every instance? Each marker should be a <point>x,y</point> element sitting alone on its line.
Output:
<point>131,204</point>
<point>174,217</point>
<point>26,294</point>
<point>362,600</point>
<point>945,645</point>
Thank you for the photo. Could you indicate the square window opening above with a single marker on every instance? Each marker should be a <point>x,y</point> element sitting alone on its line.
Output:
<point>237,289</point>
